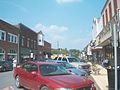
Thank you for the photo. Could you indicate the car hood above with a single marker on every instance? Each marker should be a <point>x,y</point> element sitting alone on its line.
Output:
<point>76,64</point>
<point>69,80</point>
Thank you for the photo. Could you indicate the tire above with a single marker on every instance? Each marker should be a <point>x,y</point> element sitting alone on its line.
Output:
<point>17,82</point>
<point>44,88</point>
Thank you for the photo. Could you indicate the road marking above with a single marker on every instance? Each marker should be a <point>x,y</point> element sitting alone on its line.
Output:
<point>8,88</point>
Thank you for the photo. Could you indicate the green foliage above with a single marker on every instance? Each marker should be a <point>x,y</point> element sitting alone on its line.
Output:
<point>71,52</point>
<point>59,51</point>
<point>74,52</point>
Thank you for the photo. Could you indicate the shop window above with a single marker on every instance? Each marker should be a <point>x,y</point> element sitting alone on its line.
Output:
<point>12,51</point>
<point>110,11</point>
<point>12,38</point>
<point>106,17</point>
<point>115,6</point>
<point>1,50</point>
<point>28,42</point>
<point>22,40</point>
<point>2,35</point>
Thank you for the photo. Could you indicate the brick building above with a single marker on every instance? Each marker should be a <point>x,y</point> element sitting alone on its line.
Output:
<point>27,42</point>
<point>21,42</point>
<point>8,41</point>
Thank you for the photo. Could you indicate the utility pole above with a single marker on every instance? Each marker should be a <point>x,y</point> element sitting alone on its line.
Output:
<point>116,44</point>
<point>18,60</point>
<point>57,48</point>
<point>115,54</point>
<point>57,44</point>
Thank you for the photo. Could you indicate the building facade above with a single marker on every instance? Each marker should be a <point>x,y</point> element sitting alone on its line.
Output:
<point>44,47</point>
<point>21,42</point>
<point>27,42</point>
<point>8,41</point>
<point>110,21</point>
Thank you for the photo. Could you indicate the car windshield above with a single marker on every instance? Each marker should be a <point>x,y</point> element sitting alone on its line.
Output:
<point>51,70</point>
<point>81,60</point>
<point>66,65</point>
<point>73,60</point>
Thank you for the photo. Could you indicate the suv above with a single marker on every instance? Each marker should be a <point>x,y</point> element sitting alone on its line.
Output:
<point>75,62</point>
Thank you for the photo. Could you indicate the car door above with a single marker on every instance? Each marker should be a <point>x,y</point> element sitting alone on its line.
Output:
<point>33,77</point>
<point>24,72</point>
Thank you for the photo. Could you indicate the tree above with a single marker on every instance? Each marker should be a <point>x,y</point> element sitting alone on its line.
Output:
<point>74,52</point>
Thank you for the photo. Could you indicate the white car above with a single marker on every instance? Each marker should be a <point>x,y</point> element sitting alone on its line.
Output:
<point>75,62</point>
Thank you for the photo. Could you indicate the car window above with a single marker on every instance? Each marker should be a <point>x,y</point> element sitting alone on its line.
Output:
<point>34,67</point>
<point>64,59</point>
<point>55,58</point>
<point>51,70</point>
<point>26,67</point>
<point>59,58</point>
<point>73,60</point>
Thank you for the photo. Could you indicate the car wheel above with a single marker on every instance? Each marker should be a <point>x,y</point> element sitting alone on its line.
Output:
<point>17,82</point>
<point>44,88</point>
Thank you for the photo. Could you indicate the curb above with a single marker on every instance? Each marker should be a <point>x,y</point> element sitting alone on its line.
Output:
<point>97,86</point>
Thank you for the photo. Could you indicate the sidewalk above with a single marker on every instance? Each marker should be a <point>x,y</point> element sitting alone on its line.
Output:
<point>101,78</point>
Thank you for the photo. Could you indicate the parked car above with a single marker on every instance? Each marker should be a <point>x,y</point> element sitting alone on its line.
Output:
<point>49,76</point>
<point>75,62</point>
<point>70,68</point>
<point>5,66</point>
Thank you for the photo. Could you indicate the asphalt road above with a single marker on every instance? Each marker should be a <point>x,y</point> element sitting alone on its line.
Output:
<point>7,80</point>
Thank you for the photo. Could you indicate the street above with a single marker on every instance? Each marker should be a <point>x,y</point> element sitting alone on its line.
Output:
<point>7,80</point>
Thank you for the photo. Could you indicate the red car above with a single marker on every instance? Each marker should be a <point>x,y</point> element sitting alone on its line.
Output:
<point>49,76</point>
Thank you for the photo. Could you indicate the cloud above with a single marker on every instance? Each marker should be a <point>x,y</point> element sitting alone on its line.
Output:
<point>61,34</point>
<point>52,29</point>
<point>53,33</point>
<point>67,1</point>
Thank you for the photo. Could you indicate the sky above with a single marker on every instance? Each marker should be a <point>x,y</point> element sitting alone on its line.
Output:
<point>64,23</point>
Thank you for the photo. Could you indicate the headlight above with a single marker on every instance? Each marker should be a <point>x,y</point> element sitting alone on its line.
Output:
<point>63,89</point>
<point>0,66</point>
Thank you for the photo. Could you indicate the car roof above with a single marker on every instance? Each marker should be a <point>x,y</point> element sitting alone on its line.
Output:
<point>39,62</point>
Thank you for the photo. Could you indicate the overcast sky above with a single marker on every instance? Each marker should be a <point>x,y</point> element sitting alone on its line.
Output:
<point>68,22</point>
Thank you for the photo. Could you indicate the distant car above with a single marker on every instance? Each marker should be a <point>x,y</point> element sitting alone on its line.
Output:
<point>49,76</point>
<point>75,62</point>
<point>5,66</point>
<point>70,68</point>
